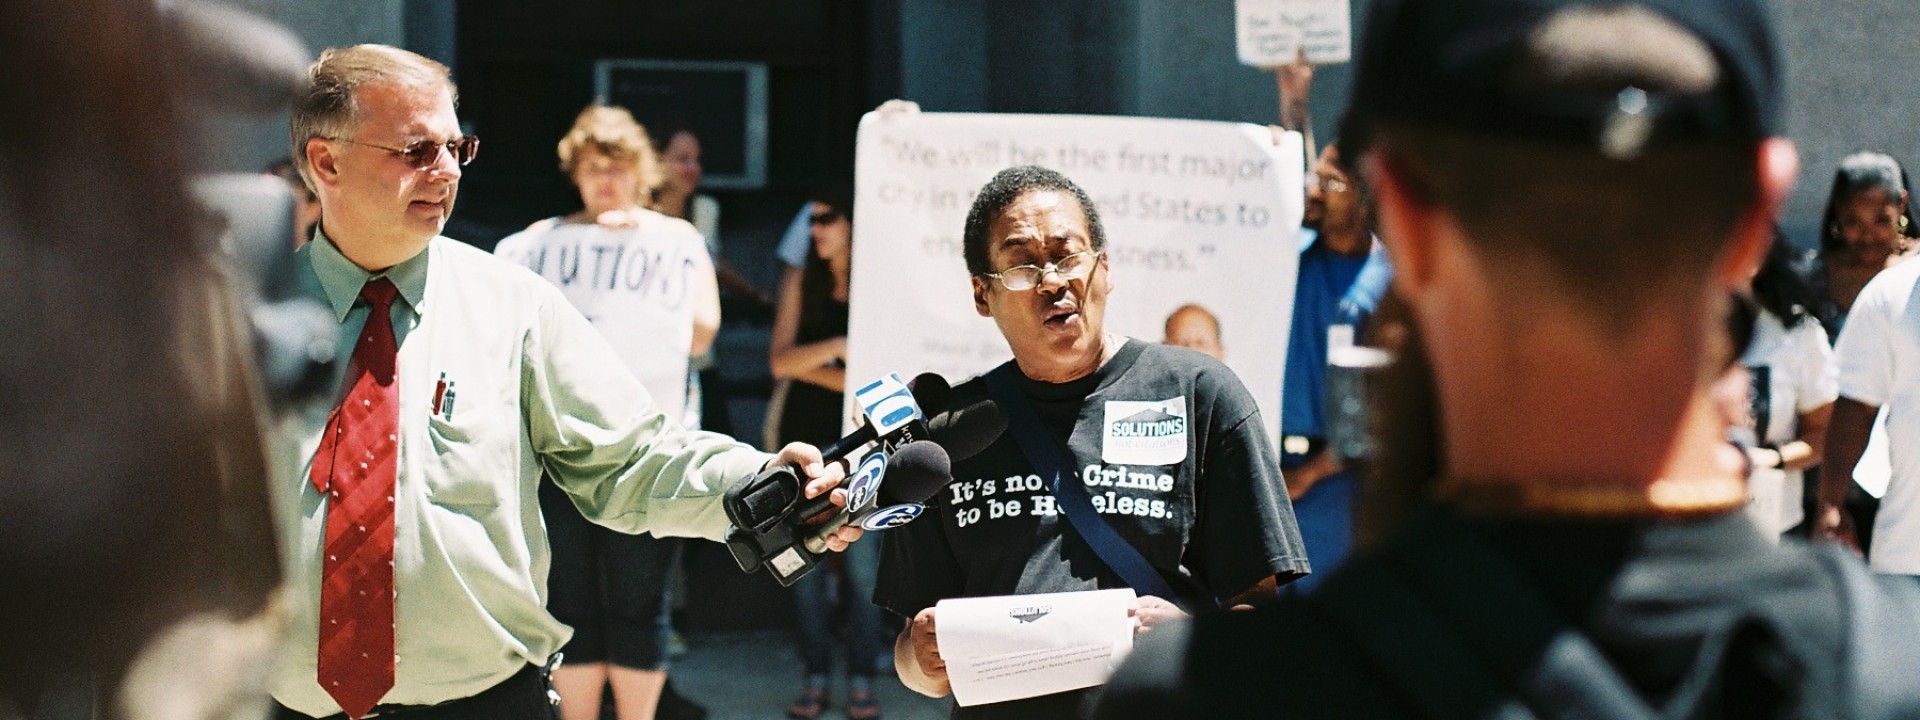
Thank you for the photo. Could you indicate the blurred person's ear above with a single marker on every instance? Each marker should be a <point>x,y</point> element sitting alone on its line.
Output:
<point>1409,222</point>
<point>1776,167</point>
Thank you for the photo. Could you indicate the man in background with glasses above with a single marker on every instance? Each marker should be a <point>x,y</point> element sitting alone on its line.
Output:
<point>1343,274</point>
<point>1161,445</point>
<point>415,552</point>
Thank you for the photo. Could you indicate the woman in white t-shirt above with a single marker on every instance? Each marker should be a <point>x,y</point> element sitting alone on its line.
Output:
<point>1794,384</point>
<point>646,282</point>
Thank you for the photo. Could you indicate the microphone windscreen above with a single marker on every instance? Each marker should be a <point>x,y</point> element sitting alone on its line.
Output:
<point>965,431</point>
<point>915,472</point>
<point>932,392</point>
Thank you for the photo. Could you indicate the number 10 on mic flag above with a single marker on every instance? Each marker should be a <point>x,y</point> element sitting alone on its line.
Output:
<point>887,403</point>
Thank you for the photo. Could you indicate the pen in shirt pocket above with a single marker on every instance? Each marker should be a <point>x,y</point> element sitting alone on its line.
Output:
<point>443,396</point>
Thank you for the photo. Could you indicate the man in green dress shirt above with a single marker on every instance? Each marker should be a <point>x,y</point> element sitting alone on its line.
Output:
<point>498,380</point>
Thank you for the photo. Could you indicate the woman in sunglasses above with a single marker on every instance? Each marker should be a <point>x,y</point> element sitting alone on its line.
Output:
<point>646,282</point>
<point>808,356</point>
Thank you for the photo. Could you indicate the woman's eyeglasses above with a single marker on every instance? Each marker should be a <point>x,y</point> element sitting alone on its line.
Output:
<point>1027,277</point>
<point>422,154</point>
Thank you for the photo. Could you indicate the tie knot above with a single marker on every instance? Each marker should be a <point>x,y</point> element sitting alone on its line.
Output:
<point>379,293</point>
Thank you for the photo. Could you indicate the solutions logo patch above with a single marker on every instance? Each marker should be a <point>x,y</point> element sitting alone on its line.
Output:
<point>1145,432</point>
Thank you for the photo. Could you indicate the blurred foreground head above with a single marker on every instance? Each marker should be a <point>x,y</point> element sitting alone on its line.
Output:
<point>129,433</point>
<point>1581,143</point>
<point>1562,183</point>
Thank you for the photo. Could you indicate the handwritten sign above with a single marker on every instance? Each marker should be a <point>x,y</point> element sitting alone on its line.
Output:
<point>1271,31</point>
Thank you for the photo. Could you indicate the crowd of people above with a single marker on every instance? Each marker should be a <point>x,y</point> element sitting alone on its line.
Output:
<point>1634,446</point>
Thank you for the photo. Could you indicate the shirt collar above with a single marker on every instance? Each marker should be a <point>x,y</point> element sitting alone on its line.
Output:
<point>341,279</point>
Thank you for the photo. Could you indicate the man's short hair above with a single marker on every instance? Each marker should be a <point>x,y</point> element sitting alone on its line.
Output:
<point>1007,186</point>
<point>1603,218</point>
<point>611,131</point>
<point>331,106</point>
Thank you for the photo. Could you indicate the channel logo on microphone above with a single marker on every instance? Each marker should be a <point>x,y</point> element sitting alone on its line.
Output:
<point>893,516</point>
<point>864,486</point>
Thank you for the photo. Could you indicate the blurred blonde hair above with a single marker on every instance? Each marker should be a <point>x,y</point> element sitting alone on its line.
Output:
<point>611,131</point>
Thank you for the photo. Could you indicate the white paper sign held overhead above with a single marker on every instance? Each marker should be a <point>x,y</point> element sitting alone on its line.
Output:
<point>1272,31</point>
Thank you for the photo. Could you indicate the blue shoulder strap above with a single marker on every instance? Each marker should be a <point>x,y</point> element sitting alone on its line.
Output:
<point>1023,423</point>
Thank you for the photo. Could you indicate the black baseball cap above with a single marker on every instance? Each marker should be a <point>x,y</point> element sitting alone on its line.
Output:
<point>1444,64</point>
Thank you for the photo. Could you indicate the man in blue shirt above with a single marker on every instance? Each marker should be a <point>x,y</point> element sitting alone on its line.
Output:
<point>1343,273</point>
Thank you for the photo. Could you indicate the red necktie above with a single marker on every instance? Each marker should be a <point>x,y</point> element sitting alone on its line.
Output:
<point>355,468</point>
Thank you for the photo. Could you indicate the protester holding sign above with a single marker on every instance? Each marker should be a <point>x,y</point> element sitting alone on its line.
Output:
<point>1170,473</point>
<point>1343,274</point>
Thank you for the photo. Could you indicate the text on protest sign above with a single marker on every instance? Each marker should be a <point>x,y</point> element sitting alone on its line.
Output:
<point>1272,31</point>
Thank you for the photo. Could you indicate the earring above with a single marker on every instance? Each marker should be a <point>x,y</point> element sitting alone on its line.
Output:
<point>1902,224</point>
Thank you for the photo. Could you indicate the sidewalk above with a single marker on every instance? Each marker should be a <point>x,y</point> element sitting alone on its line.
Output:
<point>753,675</point>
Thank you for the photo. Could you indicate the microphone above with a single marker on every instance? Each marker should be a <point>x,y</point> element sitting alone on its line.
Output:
<point>962,432</point>
<point>890,416</point>
<point>967,430</point>
<point>914,473</point>
<point>892,413</point>
<point>766,511</point>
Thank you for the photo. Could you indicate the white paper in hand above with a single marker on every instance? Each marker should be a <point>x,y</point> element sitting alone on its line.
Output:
<point>1272,31</point>
<point>1020,646</point>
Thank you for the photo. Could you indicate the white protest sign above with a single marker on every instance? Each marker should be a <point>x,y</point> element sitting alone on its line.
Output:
<point>1272,31</point>
<point>1195,212</point>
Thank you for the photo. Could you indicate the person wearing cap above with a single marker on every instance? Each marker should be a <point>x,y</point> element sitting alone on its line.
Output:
<point>1573,191</point>
<point>413,543</point>
<point>1123,463</point>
